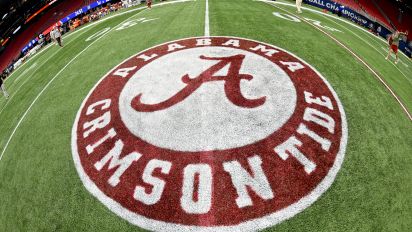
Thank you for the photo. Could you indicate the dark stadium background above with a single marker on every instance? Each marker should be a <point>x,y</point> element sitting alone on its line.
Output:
<point>23,20</point>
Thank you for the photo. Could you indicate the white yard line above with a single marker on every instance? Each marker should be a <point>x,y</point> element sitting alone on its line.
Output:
<point>94,24</point>
<point>335,17</point>
<point>28,78</point>
<point>81,29</point>
<point>24,72</point>
<point>353,54</point>
<point>28,60</point>
<point>207,28</point>
<point>383,55</point>
<point>51,81</point>
<point>51,44</point>
<point>24,82</point>
<point>57,75</point>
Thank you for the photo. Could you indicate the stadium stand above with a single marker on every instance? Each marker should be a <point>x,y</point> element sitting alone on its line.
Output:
<point>365,7</point>
<point>45,21</point>
<point>351,4</point>
<point>401,20</point>
<point>383,11</point>
<point>87,2</point>
<point>373,11</point>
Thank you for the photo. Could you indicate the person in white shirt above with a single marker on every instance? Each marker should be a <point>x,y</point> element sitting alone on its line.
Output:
<point>299,5</point>
<point>56,36</point>
<point>2,87</point>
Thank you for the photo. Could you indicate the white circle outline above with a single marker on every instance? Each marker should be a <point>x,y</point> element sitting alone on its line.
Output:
<point>210,142</point>
<point>250,225</point>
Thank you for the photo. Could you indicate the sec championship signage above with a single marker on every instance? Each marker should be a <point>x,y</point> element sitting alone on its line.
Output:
<point>209,134</point>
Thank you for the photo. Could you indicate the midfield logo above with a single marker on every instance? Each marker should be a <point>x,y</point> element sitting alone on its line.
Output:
<point>209,134</point>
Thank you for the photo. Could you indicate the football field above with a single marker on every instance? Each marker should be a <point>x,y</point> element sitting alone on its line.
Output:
<point>46,186</point>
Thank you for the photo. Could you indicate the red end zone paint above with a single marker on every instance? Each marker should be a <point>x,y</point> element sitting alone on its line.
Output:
<point>215,133</point>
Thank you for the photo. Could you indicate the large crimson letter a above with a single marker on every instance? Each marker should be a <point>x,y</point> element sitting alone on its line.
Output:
<point>232,85</point>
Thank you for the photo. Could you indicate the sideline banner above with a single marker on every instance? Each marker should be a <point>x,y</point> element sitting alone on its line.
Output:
<point>359,19</point>
<point>83,10</point>
<point>66,19</point>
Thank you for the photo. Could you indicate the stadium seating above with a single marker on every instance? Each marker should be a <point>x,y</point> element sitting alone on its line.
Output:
<point>366,7</point>
<point>374,12</point>
<point>88,2</point>
<point>381,11</point>
<point>45,21</point>
<point>351,4</point>
<point>64,8</point>
<point>393,12</point>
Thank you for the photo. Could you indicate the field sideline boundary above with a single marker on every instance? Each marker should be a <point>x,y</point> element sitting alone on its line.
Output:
<point>61,70</point>
<point>94,24</point>
<point>35,70</point>
<point>352,53</point>
<point>376,49</point>
<point>351,31</point>
<point>331,16</point>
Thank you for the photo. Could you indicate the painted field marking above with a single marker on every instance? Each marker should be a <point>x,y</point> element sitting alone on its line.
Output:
<point>267,220</point>
<point>134,22</point>
<point>98,34</point>
<point>35,64</point>
<point>24,72</point>
<point>48,84</point>
<point>293,19</point>
<point>27,61</point>
<point>51,44</point>
<point>94,24</point>
<point>71,61</point>
<point>207,28</point>
<point>335,17</point>
<point>24,82</point>
<point>83,28</point>
<point>353,54</point>
<point>384,55</point>
<point>318,23</point>
<point>12,94</point>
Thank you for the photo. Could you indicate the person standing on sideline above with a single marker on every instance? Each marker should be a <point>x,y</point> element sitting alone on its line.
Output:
<point>299,5</point>
<point>149,4</point>
<point>56,36</point>
<point>393,42</point>
<point>2,88</point>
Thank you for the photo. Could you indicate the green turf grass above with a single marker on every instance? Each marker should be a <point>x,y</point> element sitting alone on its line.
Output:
<point>40,189</point>
<point>368,47</point>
